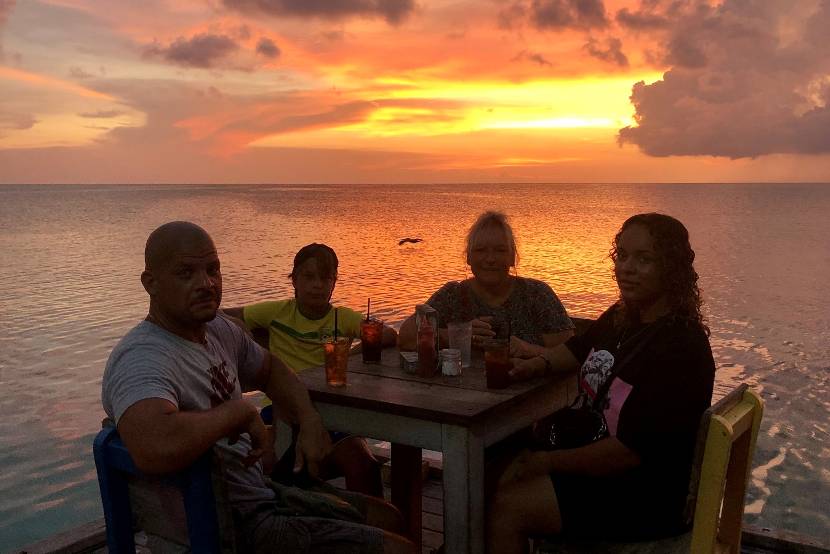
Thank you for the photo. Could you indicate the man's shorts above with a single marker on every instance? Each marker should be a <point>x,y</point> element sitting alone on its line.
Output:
<point>268,532</point>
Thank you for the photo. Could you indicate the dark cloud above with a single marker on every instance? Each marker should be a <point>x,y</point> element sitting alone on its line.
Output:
<point>641,20</point>
<point>747,79</point>
<point>267,48</point>
<point>534,57</point>
<point>682,51</point>
<point>78,73</point>
<point>561,14</point>
<point>554,15</point>
<point>512,14</point>
<point>393,11</point>
<point>243,32</point>
<point>17,122</point>
<point>612,52</point>
<point>336,35</point>
<point>204,50</point>
<point>101,114</point>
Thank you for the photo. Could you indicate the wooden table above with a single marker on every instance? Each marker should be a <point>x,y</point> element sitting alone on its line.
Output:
<point>457,416</point>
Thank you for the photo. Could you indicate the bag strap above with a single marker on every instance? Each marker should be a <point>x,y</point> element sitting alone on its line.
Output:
<point>648,334</point>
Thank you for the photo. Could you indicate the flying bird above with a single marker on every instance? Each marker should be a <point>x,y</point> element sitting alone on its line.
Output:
<point>405,240</point>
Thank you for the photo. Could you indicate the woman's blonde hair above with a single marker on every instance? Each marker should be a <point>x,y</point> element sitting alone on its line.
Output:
<point>484,221</point>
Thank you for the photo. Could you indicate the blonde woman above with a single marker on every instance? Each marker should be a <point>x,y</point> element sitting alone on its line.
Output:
<point>529,307</point>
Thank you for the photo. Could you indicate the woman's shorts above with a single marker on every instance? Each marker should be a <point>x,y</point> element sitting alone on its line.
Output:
<point>614,508</point>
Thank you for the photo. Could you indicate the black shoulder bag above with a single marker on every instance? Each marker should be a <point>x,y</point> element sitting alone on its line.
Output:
<point>583,423</point>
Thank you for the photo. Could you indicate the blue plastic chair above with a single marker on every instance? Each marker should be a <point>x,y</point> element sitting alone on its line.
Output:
<point>116,469</point>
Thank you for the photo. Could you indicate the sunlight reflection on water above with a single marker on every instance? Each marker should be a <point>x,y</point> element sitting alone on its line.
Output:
<point>69,289</point>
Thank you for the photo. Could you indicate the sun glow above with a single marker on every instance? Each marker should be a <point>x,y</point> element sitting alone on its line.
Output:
<point>430,108</point>
<point>562,123</point>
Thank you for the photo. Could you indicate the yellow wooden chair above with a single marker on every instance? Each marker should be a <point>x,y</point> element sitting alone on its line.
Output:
<point>724,471</point>
<point>723,460</point>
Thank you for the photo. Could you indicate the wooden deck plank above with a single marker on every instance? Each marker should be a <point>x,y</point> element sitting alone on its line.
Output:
<point>433,522</point>
<point>432,539</point>
<point>433,489</point>
<point>90,537</point>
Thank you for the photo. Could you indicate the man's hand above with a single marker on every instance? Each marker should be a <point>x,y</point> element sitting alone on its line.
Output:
<point>313,444</point>
<point>262,441</point>
<point>525,466</point>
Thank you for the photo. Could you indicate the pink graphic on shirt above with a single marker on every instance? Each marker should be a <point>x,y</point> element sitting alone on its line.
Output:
<point>617,395</point>
<point>595,371</point>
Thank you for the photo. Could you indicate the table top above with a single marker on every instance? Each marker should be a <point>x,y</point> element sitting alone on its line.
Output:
<point>386,388</point>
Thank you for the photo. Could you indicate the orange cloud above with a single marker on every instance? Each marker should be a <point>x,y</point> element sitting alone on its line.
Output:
<point>47,81</point>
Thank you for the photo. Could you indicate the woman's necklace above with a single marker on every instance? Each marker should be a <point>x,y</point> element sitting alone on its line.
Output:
<point>627,336</point>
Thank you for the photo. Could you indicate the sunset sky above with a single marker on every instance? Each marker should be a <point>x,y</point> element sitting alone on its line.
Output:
<point>340,91</point>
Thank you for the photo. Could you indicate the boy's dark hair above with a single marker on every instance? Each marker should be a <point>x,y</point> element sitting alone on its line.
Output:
<point>325,256</point>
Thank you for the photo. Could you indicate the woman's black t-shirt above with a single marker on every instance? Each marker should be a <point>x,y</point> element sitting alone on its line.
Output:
<point>653,406</point>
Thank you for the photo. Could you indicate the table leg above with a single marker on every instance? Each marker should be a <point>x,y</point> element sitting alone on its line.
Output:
<point>463,490</point>
<point>407,487</point>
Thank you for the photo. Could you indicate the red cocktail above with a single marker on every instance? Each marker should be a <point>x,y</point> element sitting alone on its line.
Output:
<point>497,363</point>
<point>371,340</point>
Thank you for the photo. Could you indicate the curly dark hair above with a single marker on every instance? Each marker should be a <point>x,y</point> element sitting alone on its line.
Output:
<point>676,260</point>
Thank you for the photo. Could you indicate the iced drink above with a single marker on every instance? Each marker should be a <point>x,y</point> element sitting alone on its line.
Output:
<point>337,360</point>
<point>371,340</point>
<point>497,363</point>
<point>460,335</point>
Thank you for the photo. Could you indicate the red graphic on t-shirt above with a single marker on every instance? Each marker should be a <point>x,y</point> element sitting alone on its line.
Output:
<point>222,382</point>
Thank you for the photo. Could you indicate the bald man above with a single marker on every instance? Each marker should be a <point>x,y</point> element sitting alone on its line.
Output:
<point>174,385</point>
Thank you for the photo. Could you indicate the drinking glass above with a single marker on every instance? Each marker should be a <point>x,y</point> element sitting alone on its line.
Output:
<point>337,360</point>
<point>497,363</point>
<point>450,362</point>
<point>371,340</point>
<point>460,334</point>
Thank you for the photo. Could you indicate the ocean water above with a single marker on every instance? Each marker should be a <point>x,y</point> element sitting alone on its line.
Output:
<point>69,289</point>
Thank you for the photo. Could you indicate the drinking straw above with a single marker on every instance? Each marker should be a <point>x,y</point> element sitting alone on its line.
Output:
<point>368,306</point>
<point>335,325</point>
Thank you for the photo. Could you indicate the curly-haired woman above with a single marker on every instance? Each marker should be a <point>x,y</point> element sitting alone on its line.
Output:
<point>631,484</point>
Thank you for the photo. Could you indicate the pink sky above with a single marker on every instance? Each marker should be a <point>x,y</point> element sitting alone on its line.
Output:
<point>314,91</point>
